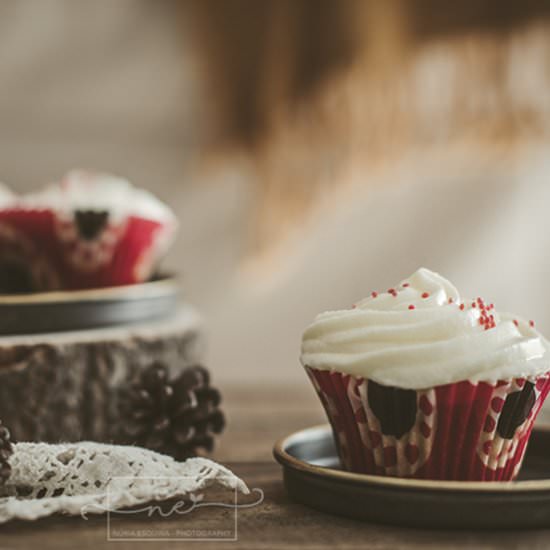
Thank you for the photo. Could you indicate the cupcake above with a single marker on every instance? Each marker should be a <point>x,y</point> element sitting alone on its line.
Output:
<point>420,383</point>
<point>90,230</point>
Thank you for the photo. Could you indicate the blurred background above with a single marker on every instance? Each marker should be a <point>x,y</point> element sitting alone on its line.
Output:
<point>314,150</point>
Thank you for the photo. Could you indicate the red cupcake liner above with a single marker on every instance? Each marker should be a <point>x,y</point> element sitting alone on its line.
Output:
<point>461,431</point>
<point>49,250</point>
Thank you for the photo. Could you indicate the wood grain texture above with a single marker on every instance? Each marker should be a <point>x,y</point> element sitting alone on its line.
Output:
<point>257,417</point>
<point>65,386</point>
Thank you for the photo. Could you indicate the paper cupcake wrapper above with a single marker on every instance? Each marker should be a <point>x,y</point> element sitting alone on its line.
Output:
<point>461,431</point>
<point>27,253</point>
<point>42,250</point>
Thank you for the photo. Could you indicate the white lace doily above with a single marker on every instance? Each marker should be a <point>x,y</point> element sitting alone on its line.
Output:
<point>83,478</point>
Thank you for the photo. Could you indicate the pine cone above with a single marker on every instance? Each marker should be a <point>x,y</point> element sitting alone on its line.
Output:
<point>176,417</point>
<point>6,450</point>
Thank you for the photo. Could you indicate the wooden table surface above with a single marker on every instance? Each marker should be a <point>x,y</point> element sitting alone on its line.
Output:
<point>257,418</point>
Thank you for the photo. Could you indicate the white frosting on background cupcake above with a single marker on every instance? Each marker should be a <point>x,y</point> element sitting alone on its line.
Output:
<point>7,197</point>
<point>421,334</point>
<point>82,190</point>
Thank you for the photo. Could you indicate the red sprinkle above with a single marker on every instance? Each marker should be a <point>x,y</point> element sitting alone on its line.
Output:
<point>405,285</point>
<point>516,323</point>
<point>374,294</point>
<point>485,320</point>
<point>451,300</point>
<point>461,307</point>
<point>411,306</point>
<point>425,294</point>
<point>531,323</point>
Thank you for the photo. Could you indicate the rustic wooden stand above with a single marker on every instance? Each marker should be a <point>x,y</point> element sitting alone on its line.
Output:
<point>64,386</point>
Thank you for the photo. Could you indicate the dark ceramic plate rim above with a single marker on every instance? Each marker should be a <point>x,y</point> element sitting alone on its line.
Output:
<point>165,286</point>
<point>418,485</point>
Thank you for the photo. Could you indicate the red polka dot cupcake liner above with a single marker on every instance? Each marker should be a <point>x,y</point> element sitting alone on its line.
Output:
<point>78,245</point>
<point>461,431</point>
<point>41,251</point>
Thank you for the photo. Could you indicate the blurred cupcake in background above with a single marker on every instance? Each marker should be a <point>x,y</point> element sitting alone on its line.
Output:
<point>417,382</point>
<point>90,230</point>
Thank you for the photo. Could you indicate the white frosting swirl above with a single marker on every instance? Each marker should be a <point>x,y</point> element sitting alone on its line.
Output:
<point>421,334</point>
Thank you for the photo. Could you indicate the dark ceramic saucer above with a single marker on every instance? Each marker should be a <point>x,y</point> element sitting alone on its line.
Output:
<point>86,309</point>
<point>312,476</point>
